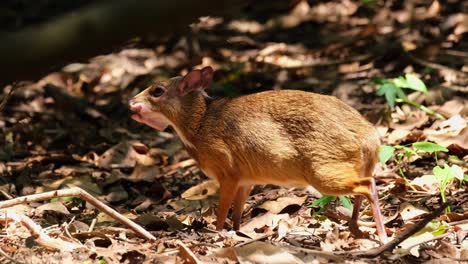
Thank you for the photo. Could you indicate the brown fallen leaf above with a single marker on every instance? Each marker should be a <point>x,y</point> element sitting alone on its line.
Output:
<point>397,136</point>
<point>462,25</point>
<point>407,119</point>
<point>426,183</point>
<point>283,229</point>
<point>201,191</point>
<point>269,220</point>
<point>408,211</point>
<point>453,131</point>
<point>281,203</point>
<point>453,217</point>
<point>125,154</point>
<point>456,106</point>
<point>144,173</point>
<point>56,207</point>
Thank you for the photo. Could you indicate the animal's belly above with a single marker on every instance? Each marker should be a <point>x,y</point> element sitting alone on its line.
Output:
<point>277,176</point>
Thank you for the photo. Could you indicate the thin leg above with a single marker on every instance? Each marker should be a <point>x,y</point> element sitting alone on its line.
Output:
<point>227,191</point>
<point>353,223</point>
<point>374,199</point>
<point>239,202</point>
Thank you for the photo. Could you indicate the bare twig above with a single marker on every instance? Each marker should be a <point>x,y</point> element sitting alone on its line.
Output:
<point>78,192</point>
<point>402,237</point>
<point>186,254</point>
<point>91,226</point>
<point>40,236</point>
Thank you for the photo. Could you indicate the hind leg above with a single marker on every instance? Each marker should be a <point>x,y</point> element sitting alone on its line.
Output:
<point>370,192</point>
<point>353,223</point>
<point>344,179</point>
<point>374,200</point>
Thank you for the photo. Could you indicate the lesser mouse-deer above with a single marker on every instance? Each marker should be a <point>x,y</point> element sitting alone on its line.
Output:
<point>284,137</point>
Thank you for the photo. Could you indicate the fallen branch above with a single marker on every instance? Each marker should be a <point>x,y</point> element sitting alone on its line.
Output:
<point>40,236</point>
<point>78,192</point>
<point>401,237</point>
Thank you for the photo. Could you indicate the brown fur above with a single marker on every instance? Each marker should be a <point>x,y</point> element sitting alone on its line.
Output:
<point>286,137</point>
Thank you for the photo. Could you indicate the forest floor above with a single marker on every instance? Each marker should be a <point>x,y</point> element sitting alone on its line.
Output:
<point>72,128</point>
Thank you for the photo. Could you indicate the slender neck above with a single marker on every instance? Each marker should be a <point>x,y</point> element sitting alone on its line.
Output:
<point>187,122</point>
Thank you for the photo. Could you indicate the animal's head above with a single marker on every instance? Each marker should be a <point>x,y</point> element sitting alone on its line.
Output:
<point>163,101</point>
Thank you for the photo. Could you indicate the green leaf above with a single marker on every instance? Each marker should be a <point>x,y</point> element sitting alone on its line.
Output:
<point>444,176</point>
<point>439,230</point>
<point>384,88</point>
<point>322,201</point>
<point>429,147</point>
<point>385,153</point>
<point>390,96</point>
<point>399,93</point>
<point>454,159</point>
<point>346,202</point>
<point>415,83</point>
<point>408,151</point>
<point>435,227</point>
<point>379,81</point>
<point>400,82</point>
<point>465,177</point>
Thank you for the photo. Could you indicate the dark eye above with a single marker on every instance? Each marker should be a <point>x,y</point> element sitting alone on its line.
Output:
<point>156,92</point>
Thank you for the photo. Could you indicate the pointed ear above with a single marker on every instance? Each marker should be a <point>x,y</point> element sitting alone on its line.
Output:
<point>196,79</point>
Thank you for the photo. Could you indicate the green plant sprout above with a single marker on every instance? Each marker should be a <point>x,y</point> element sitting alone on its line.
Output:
<point>386,152</point>
<point>326,199</point>
<point>444,176</point>
<point>392,89</point>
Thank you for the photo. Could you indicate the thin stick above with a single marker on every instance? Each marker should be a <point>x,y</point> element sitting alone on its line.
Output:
<point>91,226</point>
<point>39,234</point>
<point>78,192</point>
<point>403,236</point>
<point>186,254</point>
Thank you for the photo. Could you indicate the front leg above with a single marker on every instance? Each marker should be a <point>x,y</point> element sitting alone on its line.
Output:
<point>227,192</point>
